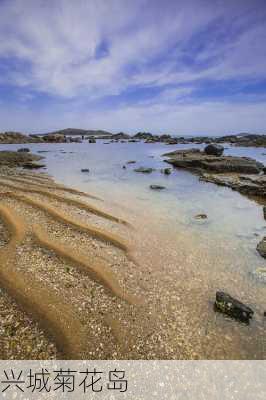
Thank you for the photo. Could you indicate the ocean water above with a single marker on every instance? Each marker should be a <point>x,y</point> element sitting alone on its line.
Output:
<point>218,253</point>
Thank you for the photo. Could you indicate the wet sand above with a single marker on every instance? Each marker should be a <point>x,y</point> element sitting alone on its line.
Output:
<point>99,281</point>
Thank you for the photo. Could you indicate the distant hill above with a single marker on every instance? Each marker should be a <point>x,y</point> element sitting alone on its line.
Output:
<point>76,131</point>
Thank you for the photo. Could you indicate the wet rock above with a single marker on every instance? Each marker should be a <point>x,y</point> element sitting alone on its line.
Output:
<point>144,170</point>
<point>166,171</point>
<point>201,216</point>
<point>124,167</point>
<point>24,150</point>
<point>214,150</point>
<point>157,187</point>
<point>261,247</point>
<point>131,162</point>
<point>232,307</point>
<point>92,140</point>
<point>264,212</point>
<point>85,170</point>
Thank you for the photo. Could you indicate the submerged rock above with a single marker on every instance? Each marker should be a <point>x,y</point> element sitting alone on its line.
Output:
<point>232,307</point>
<point>85,170</point>
<point>131,162</point>
<point>214,150</point>
<point>157,187</point>
<point>201,216</point>
<point>166,171</point>
<point>144,170</point>
<point>261,247</point>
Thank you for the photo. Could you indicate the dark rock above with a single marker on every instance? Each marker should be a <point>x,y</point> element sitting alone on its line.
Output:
<point>157,187</point>
<point>264,212</point>
<point>201,216</point>
<point>261,247</point>
<point>232,307</point>
<point>214,150</point>
<point>124,167</point>
<point>92,140</point>
<point>166,171</point>
<point>144,170</point>
<point>32,165</point>
<point>24,150</point>
<point>131,162</point>
<point>85,170</point>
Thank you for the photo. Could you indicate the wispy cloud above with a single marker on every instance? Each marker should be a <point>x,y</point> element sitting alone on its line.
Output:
<point>81,55</point>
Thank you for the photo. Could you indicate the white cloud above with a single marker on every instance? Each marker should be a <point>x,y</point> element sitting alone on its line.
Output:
<point>58,42</point>
<point>52,47</point>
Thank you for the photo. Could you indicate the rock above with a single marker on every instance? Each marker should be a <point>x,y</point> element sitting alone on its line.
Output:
<point>251,185</point>
<point>32,165</point>
<point>24,150</point>
<point>157,187</point>
<point>200,161</point>
<point>201,216</point>
<point>92,140</point>
<point>54,138</point>
<point>214,150</point>
<point>143,135</point>
<point>264,212</point>
<point>124,167</point>
<point>18,159</point>
<point>261,247</point>
<point>232,307</point>
<point>131,162</point>
<point>85,170</point>
<point>166,171</point>
<point>144,170</point>
<point>121,135</point>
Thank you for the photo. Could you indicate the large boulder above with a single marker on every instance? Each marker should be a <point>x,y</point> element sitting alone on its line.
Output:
<point>214,150</point>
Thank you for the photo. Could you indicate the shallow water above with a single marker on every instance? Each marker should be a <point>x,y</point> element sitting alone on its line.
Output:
<point>203,256</point>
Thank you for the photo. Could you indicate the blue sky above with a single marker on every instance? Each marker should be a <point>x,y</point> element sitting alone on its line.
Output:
<point>180,67</point>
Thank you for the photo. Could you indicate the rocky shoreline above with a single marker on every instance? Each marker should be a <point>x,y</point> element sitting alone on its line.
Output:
<point>79,135</point>
<point>242,174</point>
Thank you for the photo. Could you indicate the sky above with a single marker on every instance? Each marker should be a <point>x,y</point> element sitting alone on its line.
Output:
<point>183,67</point>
